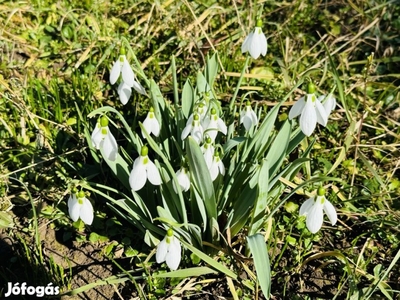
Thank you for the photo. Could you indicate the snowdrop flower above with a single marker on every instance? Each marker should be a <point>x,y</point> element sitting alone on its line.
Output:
<point>80,207</point>
<point>213,124</point>
<point>151,124</point>
<point>216,167</point>
<point>122,68</point>
<point>311,110</point>
<point>194,128</point>
<point>313,209</point>
<point>169,250</point>
<point>103,138</point>
<point>256,42</point>
<point>208,151</point>
<point>183,177</point>
<point>201,110</point>
<point>248,117</point>
<point>143,169</point>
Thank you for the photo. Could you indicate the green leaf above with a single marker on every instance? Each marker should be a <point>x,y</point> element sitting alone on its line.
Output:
<point>201,176</point>
<point>119,167</point>
<point>188,99</point>
<point>216,265</point>
<point>262,198</point>
<point>277,151</point>
<point>187,273</point>
<point>261,261</point>
<point>211,69</point>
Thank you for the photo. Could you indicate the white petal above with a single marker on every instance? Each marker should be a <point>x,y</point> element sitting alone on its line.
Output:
<point>256,44</point>
<point>115,71</point>
<point>73,208</point>
<point>208,156</point>
<point>174,254</point>
<point>124,92</point>
<point>246,43</point>
<point>127,74</point>
<point>147,126</point>
<point>253,117</point>
<point>306,206</point>
<point>247,121</point>
<point>315,218</point>
<point>329,104</point>
<point>97,137</point>
<point>322,117</point>
<point>308,118</point>
<point>221,167</point>
<point>186,131</point>
<point>86,213</point>
<point>190,120</point>
<point>152,173</point>
<point>212,129</point>
<point>263,44</point>
<point>138,176</point>
<point>221,126</point>
<point>214,170</point>
<point>153,125</point>
<point>139,88</point>
<point>183,180</point>
<point>297,108</point>
<point>162,250</point>
<point>330,212</point>
<point>110,146</point>
<point>197,134</point>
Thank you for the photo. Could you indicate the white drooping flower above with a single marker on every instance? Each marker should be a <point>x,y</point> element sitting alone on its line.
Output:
<point>311,110</point>
<point>80,207</point>
<point>248,117</point>
<point>217,167</point>
<point>194,128</point>
<point>256,42</point>
<point>208,151</point>
<point>151,123</point>
<point>213,124</point>
<point>143,169</point>
<point>124,92</point>
<point>102,138</point>
<point>314,209</point>
<point>183,177</point>
<point>121,67</point>
<point>169,250</point>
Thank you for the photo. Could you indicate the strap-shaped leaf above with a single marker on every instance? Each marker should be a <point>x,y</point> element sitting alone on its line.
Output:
<point>201,176</point>
<point>261,261</point>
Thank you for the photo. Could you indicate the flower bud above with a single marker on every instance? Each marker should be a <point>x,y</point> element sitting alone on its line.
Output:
<point>144,151</point>
<point>321,191</point>
<point>310,88</point>
<point>103,121</point>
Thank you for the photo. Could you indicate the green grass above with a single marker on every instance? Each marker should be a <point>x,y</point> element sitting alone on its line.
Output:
<point>54,66</point>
